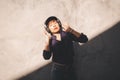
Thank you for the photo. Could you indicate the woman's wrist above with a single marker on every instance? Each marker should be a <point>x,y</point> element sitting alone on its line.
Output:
<point>46,47</point>
<point>77,34</point>
<point>71,30</point>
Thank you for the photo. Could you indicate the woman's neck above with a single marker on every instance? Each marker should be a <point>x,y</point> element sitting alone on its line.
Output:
<point>58,36</point>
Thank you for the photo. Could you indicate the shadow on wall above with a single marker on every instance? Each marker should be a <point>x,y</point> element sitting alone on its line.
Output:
<point>96,60</point>
<point>99,58</point>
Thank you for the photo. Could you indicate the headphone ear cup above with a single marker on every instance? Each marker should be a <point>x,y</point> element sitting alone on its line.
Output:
<point>59,22</point>
<point>47,29</point>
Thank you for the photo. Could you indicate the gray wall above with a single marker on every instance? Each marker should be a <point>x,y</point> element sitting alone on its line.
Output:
<point>21,37</point>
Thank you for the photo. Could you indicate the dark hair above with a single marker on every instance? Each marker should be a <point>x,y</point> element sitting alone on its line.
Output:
<point>50,19</point>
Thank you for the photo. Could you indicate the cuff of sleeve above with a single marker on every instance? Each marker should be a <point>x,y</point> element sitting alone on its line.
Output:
<point>46,54</point>
<point>83,38</point>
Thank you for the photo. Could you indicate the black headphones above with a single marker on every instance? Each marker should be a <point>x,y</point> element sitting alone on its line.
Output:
<point>48,20</point>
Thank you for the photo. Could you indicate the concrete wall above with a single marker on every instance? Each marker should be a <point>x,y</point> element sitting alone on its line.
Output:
<point>21,37</point>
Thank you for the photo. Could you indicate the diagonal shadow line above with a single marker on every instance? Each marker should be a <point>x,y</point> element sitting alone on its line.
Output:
<point>98,59</point>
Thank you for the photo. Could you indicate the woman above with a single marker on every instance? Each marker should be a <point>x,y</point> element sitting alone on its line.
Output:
<point>59,45</point>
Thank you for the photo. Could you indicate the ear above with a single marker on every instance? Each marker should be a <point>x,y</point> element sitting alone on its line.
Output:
<point>47,29</point>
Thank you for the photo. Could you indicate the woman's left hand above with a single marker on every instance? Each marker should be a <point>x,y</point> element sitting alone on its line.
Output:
<point>66,27</point>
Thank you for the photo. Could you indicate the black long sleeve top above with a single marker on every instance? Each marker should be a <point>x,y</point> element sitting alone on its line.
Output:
<point>62,51</point>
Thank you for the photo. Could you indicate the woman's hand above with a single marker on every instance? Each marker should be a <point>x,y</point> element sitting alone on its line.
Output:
<point>66,27</point>
<point>47,36</point>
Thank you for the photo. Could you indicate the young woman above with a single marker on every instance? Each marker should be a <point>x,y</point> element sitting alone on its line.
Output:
<point>59,45</point>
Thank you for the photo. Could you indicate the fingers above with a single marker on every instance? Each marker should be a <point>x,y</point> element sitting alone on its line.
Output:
<point>45,32</point>
<point>48,35</point>
<point>66,27</point>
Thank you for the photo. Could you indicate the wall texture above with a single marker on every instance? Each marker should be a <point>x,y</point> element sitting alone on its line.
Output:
<point>21,37</point>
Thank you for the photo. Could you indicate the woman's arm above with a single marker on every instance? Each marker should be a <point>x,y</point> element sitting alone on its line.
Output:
<point>76,36</point>
<point>47,46</point>
<point>67,28</point>
<point>47,51</point>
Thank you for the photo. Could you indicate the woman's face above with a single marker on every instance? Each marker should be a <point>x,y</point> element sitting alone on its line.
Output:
<point>54,26</point>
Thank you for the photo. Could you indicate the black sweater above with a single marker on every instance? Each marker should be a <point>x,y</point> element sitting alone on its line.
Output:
<point>62,51</point>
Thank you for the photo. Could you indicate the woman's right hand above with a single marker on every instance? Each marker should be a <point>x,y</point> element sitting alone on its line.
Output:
<point>47,36</point>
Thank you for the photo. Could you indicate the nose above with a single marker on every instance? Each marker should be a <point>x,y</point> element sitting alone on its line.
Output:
<point>53,26</point>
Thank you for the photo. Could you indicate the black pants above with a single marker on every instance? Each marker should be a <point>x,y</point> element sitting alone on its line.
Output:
<point>62,72</point>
